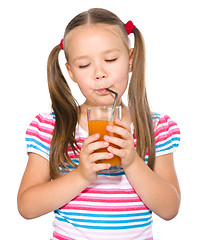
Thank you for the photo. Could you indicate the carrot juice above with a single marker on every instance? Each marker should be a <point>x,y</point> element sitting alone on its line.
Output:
<point>98,126</point>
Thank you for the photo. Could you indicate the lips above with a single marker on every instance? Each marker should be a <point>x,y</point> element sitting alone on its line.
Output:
<point>102,91</point>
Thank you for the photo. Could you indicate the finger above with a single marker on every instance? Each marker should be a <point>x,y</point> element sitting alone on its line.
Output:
<point>116,141</point>
<point>123,124</point>
<point>90,148</point>
<point>100,156</point>
<point>101,166</point>
<point>118,152</point>
<point>91,139</point>
<point>124,133</point>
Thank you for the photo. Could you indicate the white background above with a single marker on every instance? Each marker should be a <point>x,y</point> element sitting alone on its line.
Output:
<point>30,29</point>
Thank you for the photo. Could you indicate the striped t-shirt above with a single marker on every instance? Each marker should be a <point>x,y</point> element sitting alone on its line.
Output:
<point>109,208</point>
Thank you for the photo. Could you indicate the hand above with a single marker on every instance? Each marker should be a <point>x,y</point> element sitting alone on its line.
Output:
<point>87,166</point>
<point>127,152</point>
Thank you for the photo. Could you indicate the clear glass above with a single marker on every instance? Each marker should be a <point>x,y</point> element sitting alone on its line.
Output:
<point>98,119</point>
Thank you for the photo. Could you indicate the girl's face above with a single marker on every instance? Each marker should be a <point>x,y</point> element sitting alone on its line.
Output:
<point>98,59</point>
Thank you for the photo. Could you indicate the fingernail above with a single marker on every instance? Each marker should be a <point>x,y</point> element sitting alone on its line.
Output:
<point>109,127</point>
<point>106,137</point>
<point>117,120</point>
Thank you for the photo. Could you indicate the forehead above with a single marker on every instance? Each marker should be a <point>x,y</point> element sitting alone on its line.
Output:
<point>81,38</point>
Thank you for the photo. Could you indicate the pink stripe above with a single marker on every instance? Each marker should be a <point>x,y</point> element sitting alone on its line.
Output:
<point>105,208</point>
<point>72,155</point>
<point>171,124</point>
<point>129,234</point>
<point>135,140</point>
<point>167,125</point>
<point>166,136</point>
<point>42,129</point>
<point>70,148</point>
<point>164,130</point>
<point>36,134</point>
<point>80,139</point>
<point>45,120</point>
<point>108,191</point>
<point>164,119</point>
<point>110,200</point>
<point>61,237</point>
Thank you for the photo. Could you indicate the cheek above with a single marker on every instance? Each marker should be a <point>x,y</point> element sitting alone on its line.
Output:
<point>80,77</point>
<point>122,68</point>
<point>76,77</point>
<point>121,80</point>
<point>84,84</point>
<point>122,75</point>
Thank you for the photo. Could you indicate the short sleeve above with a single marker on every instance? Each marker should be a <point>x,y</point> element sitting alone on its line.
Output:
<point>39,134</point>
<point>167,135</point>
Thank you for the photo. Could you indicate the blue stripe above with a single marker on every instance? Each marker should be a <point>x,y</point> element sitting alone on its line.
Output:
<point>69,167</point>
<point>171,141</point>
<point>53,115</point>
<point>104,215</point>
<point>37,143</point>
<point>155,116</point>
<point>104,221</point>
<point>107,227</point>
<point>29,146</point>
<point>166,149</point>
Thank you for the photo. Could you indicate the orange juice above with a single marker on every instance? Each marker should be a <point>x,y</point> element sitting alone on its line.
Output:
<point>97,126</point>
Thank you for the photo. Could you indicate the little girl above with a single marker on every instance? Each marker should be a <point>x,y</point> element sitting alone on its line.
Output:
<point>62,174</point>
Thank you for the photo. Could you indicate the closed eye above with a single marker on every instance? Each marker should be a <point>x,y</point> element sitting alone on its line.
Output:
<point>111,60</point>
<point>84,66</point>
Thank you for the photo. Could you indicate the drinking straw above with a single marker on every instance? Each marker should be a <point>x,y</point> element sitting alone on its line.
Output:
<point>113,108</point>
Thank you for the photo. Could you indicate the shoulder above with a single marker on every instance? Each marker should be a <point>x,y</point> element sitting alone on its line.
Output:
<point>167,134</point>
<point>42,124</point>
<point>43,121</point>
<point>163,123</point>
<point>39,134</point>
<point>45,118</point>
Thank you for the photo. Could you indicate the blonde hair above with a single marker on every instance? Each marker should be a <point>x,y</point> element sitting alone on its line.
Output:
<point>66,108</point>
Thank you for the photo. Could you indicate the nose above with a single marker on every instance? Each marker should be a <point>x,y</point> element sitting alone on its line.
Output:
<point>100,76</point>
<point>100,72</point>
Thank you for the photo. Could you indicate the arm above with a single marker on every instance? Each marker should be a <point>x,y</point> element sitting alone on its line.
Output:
<point>39,195</point>
<point>158,189</point>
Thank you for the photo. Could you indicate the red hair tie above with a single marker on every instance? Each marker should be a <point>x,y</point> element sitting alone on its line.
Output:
<point>129,27</point>
<point>61,44</point>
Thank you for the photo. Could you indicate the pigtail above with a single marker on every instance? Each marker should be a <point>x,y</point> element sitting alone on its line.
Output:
<point>66,113</point>
<point>138,104</point>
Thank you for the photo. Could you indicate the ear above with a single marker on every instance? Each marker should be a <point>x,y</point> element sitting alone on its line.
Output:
<point>131,59</point>
<point>69,71</point>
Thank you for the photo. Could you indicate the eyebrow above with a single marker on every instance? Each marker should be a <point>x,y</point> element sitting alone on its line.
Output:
<point>80,57</point>
<point>112,50</point>
<point>104,52</point>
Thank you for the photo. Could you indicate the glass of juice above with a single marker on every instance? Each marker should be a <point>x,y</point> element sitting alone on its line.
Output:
<point>98,119</point>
